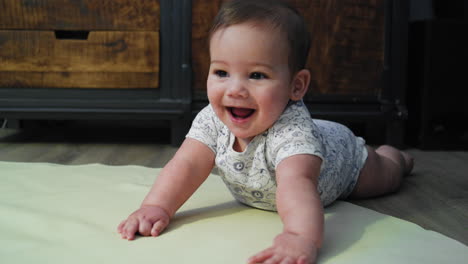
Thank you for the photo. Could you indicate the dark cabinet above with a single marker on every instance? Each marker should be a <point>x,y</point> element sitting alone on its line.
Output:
<point>437,99</point>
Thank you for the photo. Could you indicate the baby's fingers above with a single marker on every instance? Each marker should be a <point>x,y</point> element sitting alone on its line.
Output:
<point>287,260</point>
<point>145,227</point>
<point>303,260</point>
<point>158,227</point>
<point>261,257</point>
<point>121,225</point>
<point>129,229</point>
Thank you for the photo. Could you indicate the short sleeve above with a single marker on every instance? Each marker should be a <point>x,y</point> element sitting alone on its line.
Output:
<point>295,133</point>
<point>204,128</point>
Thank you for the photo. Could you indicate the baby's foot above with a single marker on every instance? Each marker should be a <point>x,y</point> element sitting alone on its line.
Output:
<point>409,162</point>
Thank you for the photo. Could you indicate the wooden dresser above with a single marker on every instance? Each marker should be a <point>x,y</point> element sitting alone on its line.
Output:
<point>96,59</point>
<point>148,59</point>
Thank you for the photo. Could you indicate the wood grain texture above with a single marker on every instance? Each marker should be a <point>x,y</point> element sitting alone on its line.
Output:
<point>107,59</point>
<point>203,13</point>
<point>142,15</point>
<point>435,196</point>
<point>347,48</point>
<point>347,51</point>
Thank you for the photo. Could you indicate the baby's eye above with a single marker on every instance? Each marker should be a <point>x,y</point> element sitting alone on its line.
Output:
<point>258,76</point>
<point>221,73</point>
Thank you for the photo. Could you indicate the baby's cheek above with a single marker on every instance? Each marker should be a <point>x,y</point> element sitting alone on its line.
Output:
<point>214,91</point>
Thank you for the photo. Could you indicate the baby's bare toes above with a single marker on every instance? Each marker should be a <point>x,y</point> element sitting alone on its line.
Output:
<point>409,162</point>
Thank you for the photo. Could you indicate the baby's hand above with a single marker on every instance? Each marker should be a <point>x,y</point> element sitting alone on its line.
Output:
<point>288,248</point>
<point>148,221</point>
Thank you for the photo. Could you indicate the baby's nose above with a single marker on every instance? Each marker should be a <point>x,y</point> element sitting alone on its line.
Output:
<point>237,89</point>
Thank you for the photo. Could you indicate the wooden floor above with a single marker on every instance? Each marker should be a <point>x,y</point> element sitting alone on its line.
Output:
<point>435,196</point>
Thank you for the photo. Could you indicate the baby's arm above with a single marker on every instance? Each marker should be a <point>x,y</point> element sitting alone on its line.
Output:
<point>177,181</point>
<point>301,211</point>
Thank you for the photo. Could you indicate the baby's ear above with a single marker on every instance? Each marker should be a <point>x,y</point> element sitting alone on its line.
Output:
<point>300,84</point>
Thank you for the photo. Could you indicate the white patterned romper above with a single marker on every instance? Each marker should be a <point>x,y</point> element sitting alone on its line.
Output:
<point>250,175</point>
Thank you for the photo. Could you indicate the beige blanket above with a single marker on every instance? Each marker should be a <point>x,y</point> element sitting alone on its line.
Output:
<point>69,214</point>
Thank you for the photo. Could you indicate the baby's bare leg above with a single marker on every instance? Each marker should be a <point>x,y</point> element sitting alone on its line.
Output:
<point>383,172</point>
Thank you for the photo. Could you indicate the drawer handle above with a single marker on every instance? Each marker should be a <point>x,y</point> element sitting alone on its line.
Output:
<point>71,34</point>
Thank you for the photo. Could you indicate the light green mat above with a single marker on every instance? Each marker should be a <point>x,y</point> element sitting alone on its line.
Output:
<point>69,214</point>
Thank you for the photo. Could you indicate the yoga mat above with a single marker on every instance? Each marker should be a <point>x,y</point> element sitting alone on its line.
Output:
<point>69,214</point>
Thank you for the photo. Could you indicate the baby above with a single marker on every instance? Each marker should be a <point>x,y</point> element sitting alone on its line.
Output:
<point>270,153</point>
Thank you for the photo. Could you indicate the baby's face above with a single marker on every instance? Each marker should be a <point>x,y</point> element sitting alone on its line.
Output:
<point>249,82</point>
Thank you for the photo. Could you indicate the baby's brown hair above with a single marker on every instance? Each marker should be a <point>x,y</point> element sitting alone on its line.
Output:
<point>275,13</point>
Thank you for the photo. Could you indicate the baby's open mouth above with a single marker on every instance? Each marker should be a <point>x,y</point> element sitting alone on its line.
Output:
<point>241,112</point>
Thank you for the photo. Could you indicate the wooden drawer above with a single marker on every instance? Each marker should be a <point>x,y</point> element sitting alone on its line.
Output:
<point>80,14</point>
<point>79,44</point>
